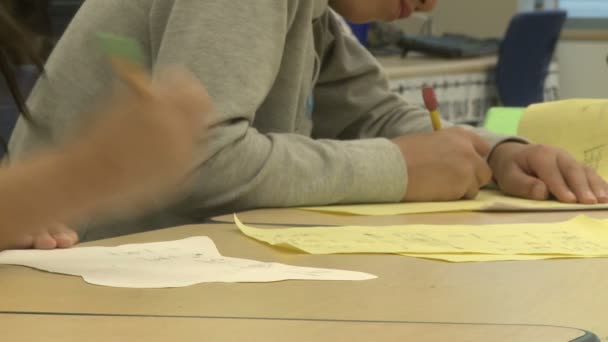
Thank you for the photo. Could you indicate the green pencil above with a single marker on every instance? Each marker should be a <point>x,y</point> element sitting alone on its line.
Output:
<point>126,58</point>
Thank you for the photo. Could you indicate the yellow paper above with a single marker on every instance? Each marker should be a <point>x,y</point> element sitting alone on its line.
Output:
<point>406,208</point>
<point>488,257</point>
<point>487,200</point>
<point>578,126</point>
<point>580,237</point>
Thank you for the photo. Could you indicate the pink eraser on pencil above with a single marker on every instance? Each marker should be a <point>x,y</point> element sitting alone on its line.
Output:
<point>430,100</point>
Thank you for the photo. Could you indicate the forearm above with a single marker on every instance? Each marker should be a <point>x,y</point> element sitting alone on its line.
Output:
<point>60,186</point>
<point>286,170</point>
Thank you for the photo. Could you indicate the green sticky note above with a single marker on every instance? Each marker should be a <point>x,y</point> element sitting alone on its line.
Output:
<point>503,120</point>
<point>122,47</point>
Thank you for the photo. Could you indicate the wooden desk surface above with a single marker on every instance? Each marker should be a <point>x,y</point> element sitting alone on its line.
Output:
<point>58,328</point>
<point>558,292</point>
<point>423,66</point>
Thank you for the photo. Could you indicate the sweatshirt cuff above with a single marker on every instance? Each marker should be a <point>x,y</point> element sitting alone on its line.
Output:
<point>495,140</point>
<point>379,172</point>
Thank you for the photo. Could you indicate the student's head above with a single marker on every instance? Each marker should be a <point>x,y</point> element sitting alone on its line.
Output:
<point>361,11</point>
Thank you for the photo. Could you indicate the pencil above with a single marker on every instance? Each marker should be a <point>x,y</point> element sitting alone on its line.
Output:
<point>132,74</point>
<point>430,101</point>
<point>126,57</point>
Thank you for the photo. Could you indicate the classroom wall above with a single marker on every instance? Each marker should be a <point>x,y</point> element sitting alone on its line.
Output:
<point>487,18</point>
<point>474,17</point>
<point>583,67</point>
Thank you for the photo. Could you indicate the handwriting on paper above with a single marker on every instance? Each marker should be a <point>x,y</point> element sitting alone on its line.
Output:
<point>165,264</point>
<point>582,236</point>
<point>594,156</point>
<point>578,126</point>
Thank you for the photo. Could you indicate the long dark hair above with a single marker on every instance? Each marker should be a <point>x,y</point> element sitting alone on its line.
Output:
<point>17,47</point>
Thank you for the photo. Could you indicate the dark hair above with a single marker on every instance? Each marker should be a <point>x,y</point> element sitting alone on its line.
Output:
<point>20,36</point>
<point>16,46</point>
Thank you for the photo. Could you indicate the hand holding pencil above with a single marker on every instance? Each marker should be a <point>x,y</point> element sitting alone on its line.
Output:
<point>448,164</point>
<point>149,136</point>
<point>146,140</point>
<point>136,155</point>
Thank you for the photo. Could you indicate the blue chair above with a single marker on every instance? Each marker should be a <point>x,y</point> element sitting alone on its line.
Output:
<point>525,55</point>
<point>360,31</point>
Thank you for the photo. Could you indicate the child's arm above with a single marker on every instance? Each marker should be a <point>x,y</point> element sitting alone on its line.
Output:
<point>445,165</point>
<point>142,148</point>
<point>262,154</point>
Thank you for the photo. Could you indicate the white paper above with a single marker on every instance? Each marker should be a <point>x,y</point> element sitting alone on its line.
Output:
<point>177,263</point>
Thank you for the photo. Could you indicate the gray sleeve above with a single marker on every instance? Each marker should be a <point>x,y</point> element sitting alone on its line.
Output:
<point>241,167</point>
<point>249,168</point>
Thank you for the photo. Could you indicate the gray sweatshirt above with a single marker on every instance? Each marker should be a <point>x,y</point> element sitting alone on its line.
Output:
<point>304,111</point>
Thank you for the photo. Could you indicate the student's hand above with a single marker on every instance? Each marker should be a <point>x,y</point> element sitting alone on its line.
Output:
<point>147,144</point>
<point>538,171</point>
<point>446,165</point>
<point>134,157</point>
<point>56,236</point>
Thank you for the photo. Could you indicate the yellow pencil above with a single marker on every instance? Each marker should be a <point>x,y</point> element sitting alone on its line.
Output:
<point>132,74</point>
<point>430,101</point>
